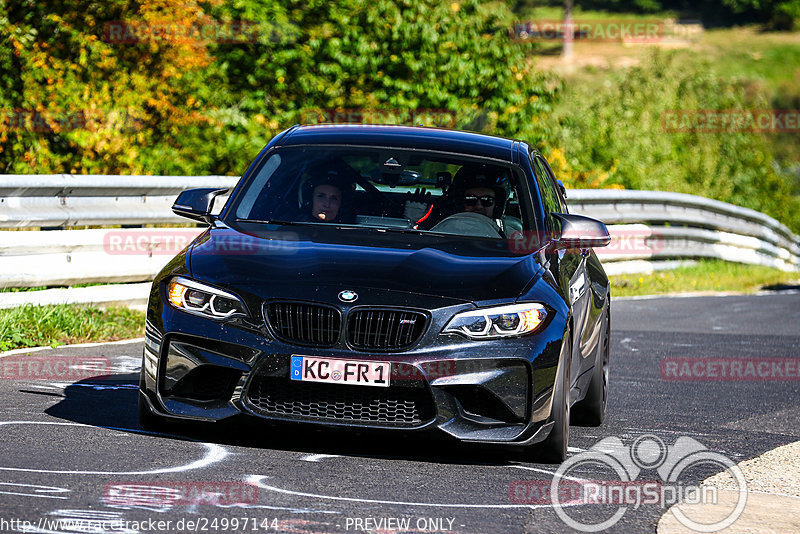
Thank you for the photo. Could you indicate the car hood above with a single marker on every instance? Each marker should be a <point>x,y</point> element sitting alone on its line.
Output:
<point>296,261</point>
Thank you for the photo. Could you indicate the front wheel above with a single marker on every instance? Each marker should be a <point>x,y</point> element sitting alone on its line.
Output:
<point>554,448</point>
<point>591,411</point>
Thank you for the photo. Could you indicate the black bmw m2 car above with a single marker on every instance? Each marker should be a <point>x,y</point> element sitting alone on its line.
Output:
<point>386,277</point>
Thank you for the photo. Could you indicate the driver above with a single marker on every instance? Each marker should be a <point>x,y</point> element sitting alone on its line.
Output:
<point>479,199</point>
<point>475,189</point>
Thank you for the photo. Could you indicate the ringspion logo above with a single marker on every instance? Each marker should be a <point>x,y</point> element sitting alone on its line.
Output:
<point>646,472</point>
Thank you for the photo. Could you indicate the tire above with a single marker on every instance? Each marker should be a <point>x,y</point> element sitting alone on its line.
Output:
<point>554,448</point>
<point>591,411</point>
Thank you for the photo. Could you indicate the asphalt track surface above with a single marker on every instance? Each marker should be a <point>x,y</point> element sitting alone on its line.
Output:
<point>67,447</point>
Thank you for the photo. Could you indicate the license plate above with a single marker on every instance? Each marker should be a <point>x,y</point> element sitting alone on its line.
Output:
<point>333,371</point>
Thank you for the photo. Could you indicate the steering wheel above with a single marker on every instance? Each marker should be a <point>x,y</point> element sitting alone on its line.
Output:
<point>469,224</point>
<point>387,205</point>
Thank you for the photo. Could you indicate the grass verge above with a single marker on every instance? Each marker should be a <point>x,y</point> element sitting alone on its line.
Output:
<point>706,275</point>
<point>41,288</point>
<point>33,326</point>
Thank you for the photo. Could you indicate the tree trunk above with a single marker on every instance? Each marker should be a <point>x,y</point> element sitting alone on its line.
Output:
<point>569,31</point>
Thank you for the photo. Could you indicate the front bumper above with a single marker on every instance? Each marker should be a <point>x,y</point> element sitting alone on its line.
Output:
<point>496,391</point>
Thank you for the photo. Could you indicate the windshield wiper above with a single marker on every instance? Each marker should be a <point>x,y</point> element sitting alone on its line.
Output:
<point>395,229</point>
<point>266,221</point>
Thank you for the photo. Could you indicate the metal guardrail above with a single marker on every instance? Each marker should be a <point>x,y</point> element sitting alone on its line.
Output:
<point>64,200</point>
<point>659,208</point>
<point>647,227</point>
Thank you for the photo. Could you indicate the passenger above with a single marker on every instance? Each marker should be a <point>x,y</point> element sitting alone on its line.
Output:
<point>326,200</point>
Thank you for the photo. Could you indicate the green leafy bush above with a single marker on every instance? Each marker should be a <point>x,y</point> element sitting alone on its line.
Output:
<point>619,130</point>
<point>207,107</point>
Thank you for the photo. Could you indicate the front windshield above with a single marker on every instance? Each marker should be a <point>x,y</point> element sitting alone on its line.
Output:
<point>392,189</point>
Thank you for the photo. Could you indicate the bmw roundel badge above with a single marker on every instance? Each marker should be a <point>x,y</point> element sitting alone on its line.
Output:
<point>348,296</point>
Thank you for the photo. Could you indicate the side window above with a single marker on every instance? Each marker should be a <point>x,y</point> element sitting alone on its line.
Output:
<point>255,190</point>
<point>550,197</point>
<point>561,200</point>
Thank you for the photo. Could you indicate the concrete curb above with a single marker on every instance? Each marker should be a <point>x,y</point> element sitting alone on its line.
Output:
<point>27,350</point>
<point>773,497</point>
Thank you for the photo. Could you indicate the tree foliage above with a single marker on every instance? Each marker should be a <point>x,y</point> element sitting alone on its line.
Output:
<point>75,98</point>
<point>73,102</point>
<point>196,106</point>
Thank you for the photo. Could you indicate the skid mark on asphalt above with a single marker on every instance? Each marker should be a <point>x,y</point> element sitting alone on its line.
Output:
<point>126,364</point>
<point>318,457</point>
<point>283,508</point>
<point>546,472</point>
<point>38,491</point>
<point>258,480</point>
<point>77,521</point>
<point>95,386</point>
<point>161,499</point>
<point>214,453</point>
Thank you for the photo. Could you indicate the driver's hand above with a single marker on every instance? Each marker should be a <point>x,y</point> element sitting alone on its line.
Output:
<point>420,196</point>
<point>416,205</point>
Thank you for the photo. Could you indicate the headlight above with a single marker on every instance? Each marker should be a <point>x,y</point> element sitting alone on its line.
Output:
<point>200,299</point>
<point>502,321</point>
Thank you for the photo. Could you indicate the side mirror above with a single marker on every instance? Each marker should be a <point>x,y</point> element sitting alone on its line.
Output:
<point>579,232</point>
<point>197,204</point>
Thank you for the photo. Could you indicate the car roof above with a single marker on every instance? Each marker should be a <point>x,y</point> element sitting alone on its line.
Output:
<point>437,139</point>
